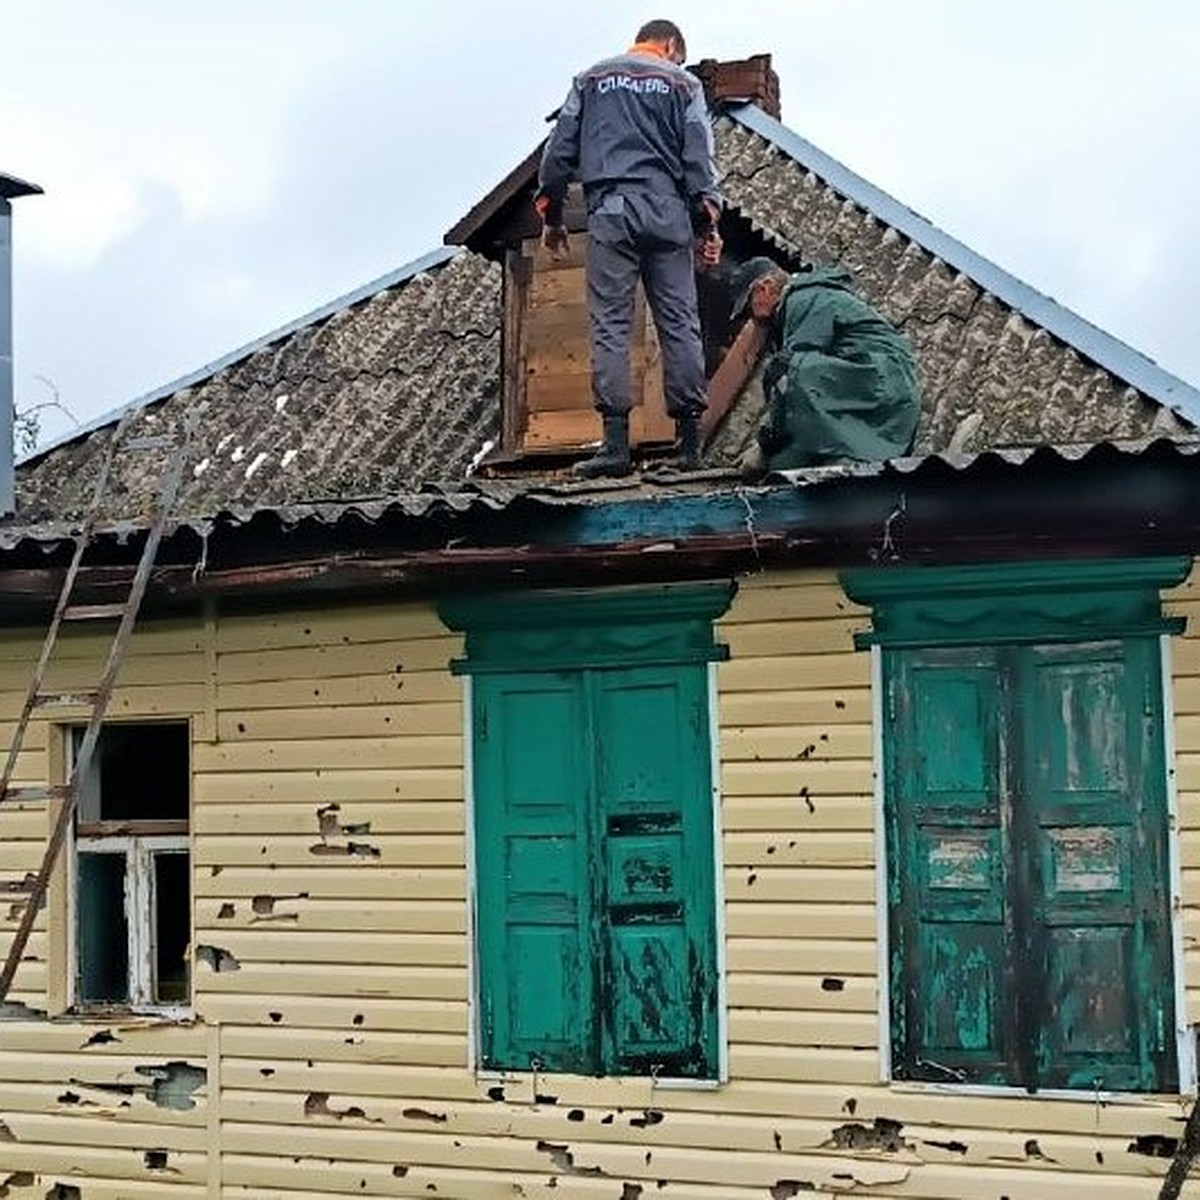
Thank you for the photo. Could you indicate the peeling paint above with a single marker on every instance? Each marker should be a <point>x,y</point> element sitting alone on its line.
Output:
<point>15,1010</point>
<point>64,1191</point>
<point>6,1134</point>
<point>157,1160</point>
<point>220,960</point>
<point>631,1191</point>
<point>18,1179</point>
<point>952,1146</point>
<point>227,912</point>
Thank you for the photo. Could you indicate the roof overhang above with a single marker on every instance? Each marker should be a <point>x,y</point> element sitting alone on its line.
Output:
<point>1108,501</point>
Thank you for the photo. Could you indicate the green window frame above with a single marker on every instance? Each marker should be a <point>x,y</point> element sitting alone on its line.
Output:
<point>1030,936</point>
<point>595,865</point>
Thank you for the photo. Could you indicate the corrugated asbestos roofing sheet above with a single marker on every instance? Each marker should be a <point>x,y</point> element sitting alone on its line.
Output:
<point>387,399</point>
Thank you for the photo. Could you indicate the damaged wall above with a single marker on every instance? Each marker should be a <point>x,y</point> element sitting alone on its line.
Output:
<point>330,950</point>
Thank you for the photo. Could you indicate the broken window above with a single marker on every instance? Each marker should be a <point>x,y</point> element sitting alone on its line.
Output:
<point>1027,831</point>
<point>595,875</point>
<point>132,877</point>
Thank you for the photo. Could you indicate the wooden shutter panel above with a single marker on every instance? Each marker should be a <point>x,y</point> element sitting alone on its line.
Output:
<point>1094,832</point>
<point>951,997</point>
<point>655,815</point>
<point>532,905</point>
<point>547,371</point>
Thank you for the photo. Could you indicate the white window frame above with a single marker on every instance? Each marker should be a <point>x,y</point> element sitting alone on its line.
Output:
<point>139,851</point>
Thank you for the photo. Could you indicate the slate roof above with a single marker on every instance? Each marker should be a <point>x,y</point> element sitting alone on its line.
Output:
<point>396,387</point>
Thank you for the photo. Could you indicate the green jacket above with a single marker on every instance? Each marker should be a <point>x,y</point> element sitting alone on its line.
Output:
<point>843,383</point>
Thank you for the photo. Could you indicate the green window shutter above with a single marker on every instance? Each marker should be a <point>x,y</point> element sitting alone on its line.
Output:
<point>950,983</point>
<point>1093,836</point>
<point>531,794</point>
<point>655,827</point>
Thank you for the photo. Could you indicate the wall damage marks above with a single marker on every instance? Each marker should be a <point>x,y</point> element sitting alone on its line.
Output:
<point>174,1084</point>
<point>336,836</point>
<point>317,1105</point>
<point>220,960</point>
<point>18,1179</point>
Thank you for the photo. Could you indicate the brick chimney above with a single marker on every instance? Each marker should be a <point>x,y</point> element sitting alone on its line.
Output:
<point>10,189</point>
<point>751,79</point>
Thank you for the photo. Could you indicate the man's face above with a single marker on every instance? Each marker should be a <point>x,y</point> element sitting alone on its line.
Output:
<point>765,297</point>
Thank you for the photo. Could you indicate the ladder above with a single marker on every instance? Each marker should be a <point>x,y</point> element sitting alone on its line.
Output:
<point>36,697</point>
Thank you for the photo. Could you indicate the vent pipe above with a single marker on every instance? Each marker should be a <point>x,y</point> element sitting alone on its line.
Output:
<point>10,189</point>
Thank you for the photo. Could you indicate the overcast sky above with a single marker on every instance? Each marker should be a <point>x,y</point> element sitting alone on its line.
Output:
<point>213,170</point>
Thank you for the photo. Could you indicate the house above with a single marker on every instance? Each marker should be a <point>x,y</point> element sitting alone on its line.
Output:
<point>461,830</point>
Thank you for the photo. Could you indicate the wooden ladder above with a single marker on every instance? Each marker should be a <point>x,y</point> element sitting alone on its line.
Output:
<point>36,697</point>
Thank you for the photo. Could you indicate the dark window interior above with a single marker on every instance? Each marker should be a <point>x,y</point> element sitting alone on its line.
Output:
<point>103,930</point>
<point>143,772</point>
<point>172,906</point>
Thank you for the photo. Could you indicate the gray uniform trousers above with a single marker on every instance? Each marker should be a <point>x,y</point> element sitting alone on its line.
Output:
<point>646,235</point>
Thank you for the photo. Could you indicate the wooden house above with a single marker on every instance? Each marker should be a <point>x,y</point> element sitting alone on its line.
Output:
<point>461,830</point>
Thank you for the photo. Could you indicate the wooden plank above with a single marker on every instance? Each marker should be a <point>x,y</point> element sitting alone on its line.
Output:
<point>747,710</point>
<point>367,849</point>
<point>813,742</point>
<point>809,957</point>
<point>817,849</point>
<point>567,429</point>
<point>335,882</point>
<point>332,979</point>
<point>426,750</point>
<point>346,1016</point>
<point>731,377</point>
<point>368,720</point>
<point>288,818</point>
<point>283,945</point>
<point>265,908</point>
<point>812,672</point>
<point>323,786</point>
<point>801,779</point>
<point>319,663</point>
<point>517,270</point>
<point>406,687</point>
<point>338,625</point>
<point>786,816</point>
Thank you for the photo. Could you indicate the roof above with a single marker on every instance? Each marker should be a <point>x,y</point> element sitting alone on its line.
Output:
<point>396,386</point>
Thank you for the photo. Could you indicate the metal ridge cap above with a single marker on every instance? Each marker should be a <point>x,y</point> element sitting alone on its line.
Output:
<point>1102,348</point>
<point>434,258</point>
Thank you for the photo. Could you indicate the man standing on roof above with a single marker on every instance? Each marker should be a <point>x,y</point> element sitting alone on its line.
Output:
<point>635,130</point>
<point>842,383</point>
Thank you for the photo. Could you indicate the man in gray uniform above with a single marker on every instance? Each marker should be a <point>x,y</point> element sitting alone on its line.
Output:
<point>635,130</point>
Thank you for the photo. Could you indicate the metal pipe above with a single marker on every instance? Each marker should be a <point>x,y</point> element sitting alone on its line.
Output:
<point>10,189</point>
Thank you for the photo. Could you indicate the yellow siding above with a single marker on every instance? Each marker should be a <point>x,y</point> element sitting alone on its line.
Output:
<point>329,864</point>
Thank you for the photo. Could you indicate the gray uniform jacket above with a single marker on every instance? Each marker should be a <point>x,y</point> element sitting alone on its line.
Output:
<point>637,121</point>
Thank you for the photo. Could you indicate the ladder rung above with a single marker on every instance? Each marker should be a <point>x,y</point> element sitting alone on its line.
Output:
<point>157,441</point>
<point>55,791</point>
<point>93,612</point>
<point>65,699</point>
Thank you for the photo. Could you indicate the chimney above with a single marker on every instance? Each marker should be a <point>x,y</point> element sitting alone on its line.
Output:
<point>10,189</point>
<point>751,79</point>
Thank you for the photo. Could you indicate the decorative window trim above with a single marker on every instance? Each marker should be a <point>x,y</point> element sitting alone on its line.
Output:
<point>622,626</point>
<point>1085,600</point>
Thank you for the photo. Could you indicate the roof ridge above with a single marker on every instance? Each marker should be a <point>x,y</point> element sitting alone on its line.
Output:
<point>1115,356</point>
<point>409,271</point>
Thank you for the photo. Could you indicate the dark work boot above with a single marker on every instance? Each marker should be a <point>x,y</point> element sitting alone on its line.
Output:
<point>687,444</point>
<point>612,460</point>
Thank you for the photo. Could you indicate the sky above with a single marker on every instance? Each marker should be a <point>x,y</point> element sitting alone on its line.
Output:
<point>214,170</point>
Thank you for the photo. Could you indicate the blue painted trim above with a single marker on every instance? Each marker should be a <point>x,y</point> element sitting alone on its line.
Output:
<point>435,258</point>
<point>1102,348</point>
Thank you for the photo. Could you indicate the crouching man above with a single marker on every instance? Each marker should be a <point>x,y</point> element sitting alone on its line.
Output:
<point>842,381</point>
